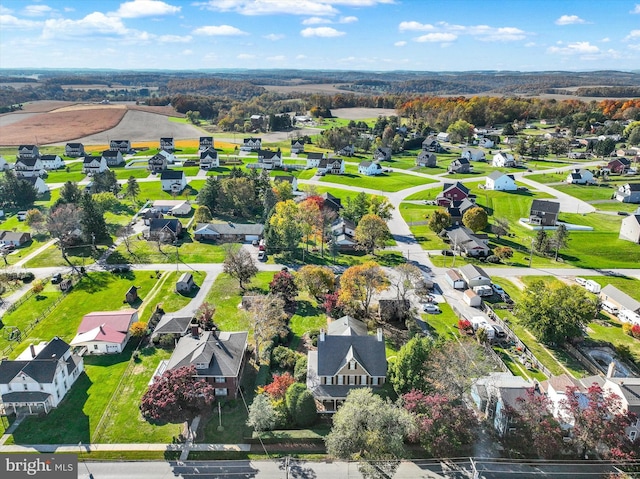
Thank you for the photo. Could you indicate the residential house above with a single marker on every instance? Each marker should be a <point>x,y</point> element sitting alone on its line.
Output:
<point>580,176</point>
<point>457,209</point>
<point>157,163</point>
<point>495,393</point>
<point>218,357</point>
<point>343,232</point>
<point>123,146</point>
<point>426,158</point>
<point>544,213</point>
<point>39,378</point>
<point>475,276</point>
<point>229,232</point>
<point>314,159</point>
<point>461,165</point>
<point>94,164</point>
<point>578,155</point>
<point>172,324</point>
<point>167,144</point>
<point>174,207</point>
<point>26,152</point>
<point>4,165</point>
<point>269,159</point>
<point>443,136</point>
<point>333,166</point>
<point>346,150</point>
<point>498,181</point>
<point>38,183</point>
<point>464,241</point>
<point>332,202</point>
<point>257,121</point>
<point>628,390</point>
<point>297,146</point>
<point>173,180</point>
<point>621,300</point>
<point>209,159</point>
<point>28,167</point>
<point>618,165</point>
<point>292,180</point>
<point>74,150</point>
<point>14,238</point>
<point>628,193</point>
<point>113,157</point>
<point>51,162</point>
<point>628,153</point>
<point>452,192</point>
<point>206,142</point>
<point>630,228</point>
<point>432,144</point>
<point>347,358</point>
<point>167,155</point>
<point>485,142</point>
<point>251,144</point>
<point>382,153</point>
<point>473,154</point>
<point>503,160</point>
<point>105,332</point>
<point>369,168</point>
<point>185,283</point>
<point>163,230</point>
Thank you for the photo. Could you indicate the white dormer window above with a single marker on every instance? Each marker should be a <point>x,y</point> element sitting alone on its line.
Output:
<point>352,364</point>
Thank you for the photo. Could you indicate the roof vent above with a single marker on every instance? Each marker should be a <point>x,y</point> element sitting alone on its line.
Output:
<point>218,344</point>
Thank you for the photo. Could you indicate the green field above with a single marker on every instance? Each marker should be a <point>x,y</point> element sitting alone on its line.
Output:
<point>389,182</point>
<point>187,251</point>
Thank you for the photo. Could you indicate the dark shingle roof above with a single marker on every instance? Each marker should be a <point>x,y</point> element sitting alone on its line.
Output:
<point>31,162</point>
<point>335,351</point>
<point>161,223</point>
<point>41,369</point>
<point>171,175</point>
<point>546,206</point>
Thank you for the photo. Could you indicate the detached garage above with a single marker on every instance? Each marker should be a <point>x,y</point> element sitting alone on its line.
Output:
<point>227,232</point>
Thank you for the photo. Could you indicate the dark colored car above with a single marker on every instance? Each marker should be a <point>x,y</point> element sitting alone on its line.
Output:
<point>447,252</point>
<point>56,278</point>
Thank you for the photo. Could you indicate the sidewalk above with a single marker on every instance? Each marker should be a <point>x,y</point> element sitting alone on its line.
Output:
<point>76,448</point>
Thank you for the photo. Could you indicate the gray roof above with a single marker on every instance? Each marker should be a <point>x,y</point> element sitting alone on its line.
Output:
<point>110,153</point>
<point>347,326</point>
<point>172,175</point>
<point>473,271</point>
<point>25,396</point>
<point>42,368</point>
<point>336,351</point>
<point>630,388</point>
<point>157,224</point>
<point>498,174</point>
<point>546,206</point>
<point>222,354</point>
<point>312,155</point>
<point>172,325</point>
<point>234,228</point>
<point>27,161</point>
<point>619,297</point>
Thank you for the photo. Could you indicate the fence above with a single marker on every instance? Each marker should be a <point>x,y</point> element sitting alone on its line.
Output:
<point>584,360</point>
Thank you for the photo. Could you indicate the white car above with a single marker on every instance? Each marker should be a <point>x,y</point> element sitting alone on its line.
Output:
<point>581,281</point>
<point>497,288</point>
<point>430,308</point>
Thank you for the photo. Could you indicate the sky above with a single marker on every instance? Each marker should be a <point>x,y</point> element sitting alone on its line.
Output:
<point>372,35</point>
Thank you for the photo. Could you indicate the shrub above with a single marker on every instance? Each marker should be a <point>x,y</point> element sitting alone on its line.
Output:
<point>300,369</point>
<point>626,328</point>
<point>284,357</point>
<point>493,259</point>
<point>465,325</point>
<point>313,336</point>
<point>37,287</point>
<point>306,412</point>
<point>635,331</point>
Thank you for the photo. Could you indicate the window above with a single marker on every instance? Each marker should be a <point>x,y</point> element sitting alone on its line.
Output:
<point>352,380</point>
<point>352,364</point>
<point>95,346</point>
<point>220,380</point>
<point>26,386</point>
<point>221,392</point>
<point>201,366</point>
<point>632,435</point>
<point>340,380</point>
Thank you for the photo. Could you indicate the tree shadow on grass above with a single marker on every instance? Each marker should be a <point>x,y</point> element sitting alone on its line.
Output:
<point>306,309</point>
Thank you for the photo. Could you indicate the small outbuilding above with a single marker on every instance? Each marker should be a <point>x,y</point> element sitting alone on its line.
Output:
<point>455,280</point>
<point>185,284</point>
<point>471,298</point>
<point>131,296</point>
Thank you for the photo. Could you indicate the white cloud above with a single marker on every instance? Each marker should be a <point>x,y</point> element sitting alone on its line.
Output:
<point>5,11</point>
<point>9,21</point>
<point>570,20</point>
<point>401,43</point>
<point>436,37</point>
<point>634,34</point>
<point>636,9</point>
<point>606,40</point>
<point>301,57</point>
<point>577,48</point>
<point>315,21</point>
<point>271,7</point>
<point>414,26</point>
<point>96,22</point>
<point>276,58</point>
<point>145,8</point>
<point>350,19</point>
<point>219,30</point>
<point>274,36</point>
<point>186,52</point>
<point>246,56</point>
<point>326,32</point>
<point>36,10</point>
<point>530,44</point>
<point>174,39</point>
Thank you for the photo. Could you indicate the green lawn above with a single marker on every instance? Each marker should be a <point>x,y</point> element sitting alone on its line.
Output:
<point>126,173</point>
<point>153,191</point>
<point>166,294</point>
<point>444,325</point>
<point>587,193</point>
<point>610,330</point>
<point>308,317</point>
<point>631,286</point>
<point>614,205</point>
<point>188,251</point>
<point>389,182</point>
<point>412,212</point>
<point>550,177</point>
<point>335,191</point>
<point>74,174</point>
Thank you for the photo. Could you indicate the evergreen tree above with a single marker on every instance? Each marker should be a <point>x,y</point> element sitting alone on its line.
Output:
<point>106,181</point>
<point>70,193</point>
<point>559,239</point>
<point>92,223</point>
<point>133,188</point>
<point>16,192</point>
<point>541,242</point>
<point>208,195</point>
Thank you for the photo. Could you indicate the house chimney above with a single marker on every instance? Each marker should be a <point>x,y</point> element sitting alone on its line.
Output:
<point>322,335</point>
<point>379,334</point>
<point>611,370</point>
<point>195,330</point>
<point>32,348</point>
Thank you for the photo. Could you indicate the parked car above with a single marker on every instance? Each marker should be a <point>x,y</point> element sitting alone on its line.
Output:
<point>581,281</point>
<point>56,278</point>
<point>22,215</point>
<point>5,248</point>
<point>254,242</point>
<point>430,308</point>
<point>497,288</point>
<point>262,256</point>
<point>447,252</point>
<point>506,298</point>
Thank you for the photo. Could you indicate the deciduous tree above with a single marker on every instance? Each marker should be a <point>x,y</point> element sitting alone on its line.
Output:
<point>277,388</point>
<point>500,227</point>
<point>284,285</point>
<point>359,283</point>
<point>316,280</point>
<point>138,329</point>
<point>239,264</point>
<point>405,278</point>
<point>35,219</point>
<point>202,215</point>
<point>439,220</point>
<point>209,193</point>
<point>205,314</point>
<point>268,320</point>
<point>262,415</point>
<point>176,396</point>
<point>503,252</point>
<point>475,218</point>
<point>286,231</point>
<point>62,222</point>
<point>407,372</point>
<point>371,233</point>
<point>559,239</point>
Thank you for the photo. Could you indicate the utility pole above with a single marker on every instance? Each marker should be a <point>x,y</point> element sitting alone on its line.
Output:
<point>531,255</point>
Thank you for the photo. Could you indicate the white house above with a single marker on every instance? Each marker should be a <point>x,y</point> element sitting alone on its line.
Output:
<point>268,159</point>
<point>473,154</point>
<point>38,183</point>
<point>174,207</point>
<point>297,146</point>
<point>27,167</point>
<point>251,144</point>
<point>123,146</point>
<point>369,168</point>
<point>206,142</point>
<point>486,143</point>
<point>94,164</point>
<point>74,150</point>
<point>209,159</point>
<point>3,164</point>
<point>28,151</point>
<point>51,162</point>
<point>167,144</point>
<point>167,155</point>
<point>443,136</point>
<point>39,378</point>
<point>113,157</point>
<point>347,150</point>
<point>105,332</point>
<point>630,228</point>
<point>292,180</point>
<point>503,159</point>
<point>498,181</point>
<point>333,165</point>
<point>580,176</point>
<point>173,180</point>
<point>314,159</point>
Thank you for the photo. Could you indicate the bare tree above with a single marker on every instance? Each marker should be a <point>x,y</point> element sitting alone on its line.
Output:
<point>125,233</point>
<point>239,264</point>
<point>268,320</point>
<point>63,223</point>
<point>405,279</point>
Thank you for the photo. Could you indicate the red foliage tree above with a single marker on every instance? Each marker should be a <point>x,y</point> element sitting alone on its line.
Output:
<point>176,396</point>
<point>635,331</point>
<point>278,387</point>
<point>330,303</point>
<point>464,325</point>
<point>443,426</point>
<point>284,285</point>
<point>602,422</point>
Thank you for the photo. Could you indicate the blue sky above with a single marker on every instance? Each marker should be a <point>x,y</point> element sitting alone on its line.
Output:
<point>443,35</point>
